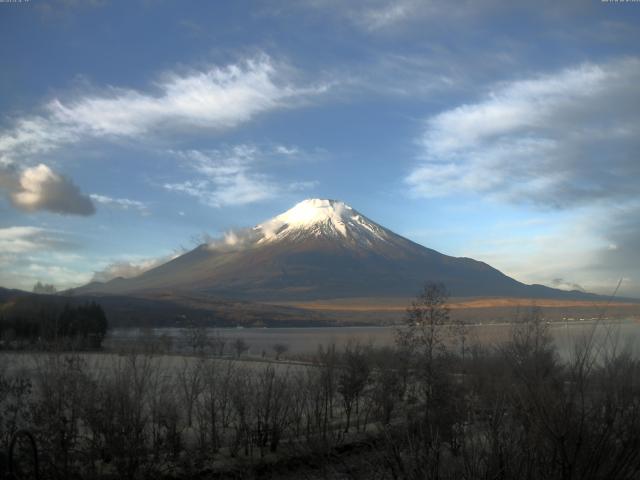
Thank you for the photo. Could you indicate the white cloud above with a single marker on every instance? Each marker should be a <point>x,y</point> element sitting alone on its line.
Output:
<point>214,99</point>
<point>558,140</point>
<point>564,248</point>
<point>574,252</point>
<point>29,254</point>
<point>225,177</point>
<point>303,185</point>
<point>232,176</point>
<point>131,268</point>
<point>376,15</point>
<point>286,150</point>
<point>25,239</point>
<point>122,203</point>
<point>386,16</point>
<point>566,141</point>
<point>40,188</point>
<point>382,15</point>
<point>21,239</point>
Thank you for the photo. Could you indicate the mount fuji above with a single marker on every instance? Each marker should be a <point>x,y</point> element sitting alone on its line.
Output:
<point>319,249</point>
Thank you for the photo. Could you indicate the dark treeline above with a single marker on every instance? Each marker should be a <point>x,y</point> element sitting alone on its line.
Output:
<point>435,406</point>
<point>41,324</point>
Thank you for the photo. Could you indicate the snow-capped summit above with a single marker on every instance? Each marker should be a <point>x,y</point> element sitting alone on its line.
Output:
<point>316,210</point>
<point>317,217</point>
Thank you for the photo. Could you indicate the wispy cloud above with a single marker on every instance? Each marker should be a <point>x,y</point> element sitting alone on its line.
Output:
<point>620,254</point>
<point>385,16</point>
<point>560,254</point>
<point>287,151</point>
<point>376,15</point>
<point>303,185</point>
<point>564,141</point>
<point>121,203</point>
<point>40,188</point>
<point>24,239</point>
<point>216,98</point>
<point>233,176</point>
<point>556,140</point>
<point>131,268</point>
<point>29,254</point>
<point>225,177</point>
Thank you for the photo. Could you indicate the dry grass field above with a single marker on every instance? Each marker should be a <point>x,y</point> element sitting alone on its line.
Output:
<point>386,310</point>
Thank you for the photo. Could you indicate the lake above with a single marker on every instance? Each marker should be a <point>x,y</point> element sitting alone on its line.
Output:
<point>305,340</point>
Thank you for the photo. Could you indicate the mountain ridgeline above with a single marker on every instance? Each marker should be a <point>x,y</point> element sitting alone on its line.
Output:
<point>320,249</point>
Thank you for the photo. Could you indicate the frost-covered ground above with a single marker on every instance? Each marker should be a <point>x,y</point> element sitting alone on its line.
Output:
<point>304,342</point>
<point>105,362</point>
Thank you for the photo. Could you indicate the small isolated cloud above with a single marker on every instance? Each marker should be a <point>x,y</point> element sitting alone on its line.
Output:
<point>236,239</point>
<point>232,176</point>
<point>561,283</point>
<point>121,203</point>
<point>130,268</point>
<point>303,185</point>
<point>215,98</point>
<point>287,151</point>
<point>40,188</point>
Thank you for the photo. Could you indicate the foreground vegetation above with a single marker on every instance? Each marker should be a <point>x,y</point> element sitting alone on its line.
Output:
<point>431,407</point>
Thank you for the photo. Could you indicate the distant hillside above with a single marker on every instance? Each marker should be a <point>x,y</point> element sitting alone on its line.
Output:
<point>125,311</point>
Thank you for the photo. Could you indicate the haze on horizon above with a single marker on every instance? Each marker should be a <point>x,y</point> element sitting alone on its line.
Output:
<point>505,133</point>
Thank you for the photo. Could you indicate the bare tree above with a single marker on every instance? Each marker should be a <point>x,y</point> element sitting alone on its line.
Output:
<point>424,335</point>
<point>280,349</point>
<point>190,382</point>
<point>218,343</point>
<point>118,415</point>
<point>165,342</point>
<point>61,381</point>
<point>271,407</point>
<point>426,314</point>
<point>196,337</point>
<point>386,389</point>
<point>352,379</point>
<point>240,346</point>
<point>214,404</point>
<point>243,415</point>
<point>15,391</point>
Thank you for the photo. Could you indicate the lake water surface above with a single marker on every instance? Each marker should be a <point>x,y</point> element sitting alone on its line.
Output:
<point>305,340</point>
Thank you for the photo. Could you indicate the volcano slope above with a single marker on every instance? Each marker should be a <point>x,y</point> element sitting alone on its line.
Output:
<point>321,249</point>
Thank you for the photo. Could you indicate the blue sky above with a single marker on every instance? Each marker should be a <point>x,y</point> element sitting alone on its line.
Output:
<point>507,133</point>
